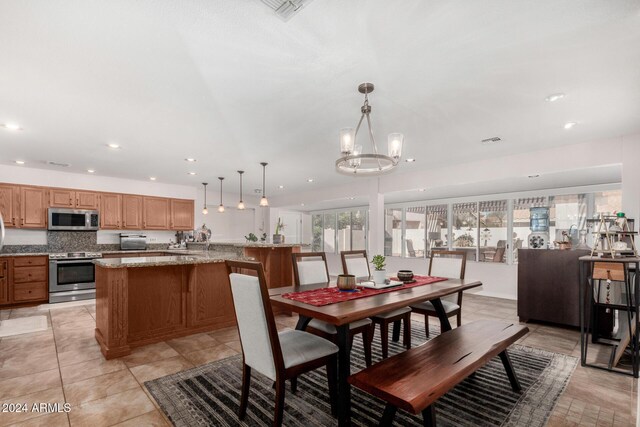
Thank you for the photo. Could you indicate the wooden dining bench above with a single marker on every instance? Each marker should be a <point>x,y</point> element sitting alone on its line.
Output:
<point>413,380</point>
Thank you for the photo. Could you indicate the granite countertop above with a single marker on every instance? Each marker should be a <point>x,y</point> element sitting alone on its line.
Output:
<point>164,251</point>
<point>25,254</point>
<point>198,258</point>
<point>251,244</point>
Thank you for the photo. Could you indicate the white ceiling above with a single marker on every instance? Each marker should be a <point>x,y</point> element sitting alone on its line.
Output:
<point>231,84</point>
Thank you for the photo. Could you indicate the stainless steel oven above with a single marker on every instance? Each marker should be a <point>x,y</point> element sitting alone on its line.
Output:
<point>73,219</point>
<point>72,276</point>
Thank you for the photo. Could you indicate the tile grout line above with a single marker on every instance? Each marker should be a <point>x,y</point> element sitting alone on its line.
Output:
<point>55,344</point>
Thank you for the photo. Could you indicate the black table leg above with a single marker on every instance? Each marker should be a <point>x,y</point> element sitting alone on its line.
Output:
<point>388,415</point>
<point>303,321</point>
<point>396,331</point>
<point>344,370</point>
<point>513,379</point>
<point>442,315</point>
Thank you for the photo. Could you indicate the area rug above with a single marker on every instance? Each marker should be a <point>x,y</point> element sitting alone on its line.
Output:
<point>208,395</point>
<point>23,325</point>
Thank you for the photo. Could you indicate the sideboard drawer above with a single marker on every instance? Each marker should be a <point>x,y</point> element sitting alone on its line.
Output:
<point>29,261</point>
<point>30,291</point>
<point>29,274</point>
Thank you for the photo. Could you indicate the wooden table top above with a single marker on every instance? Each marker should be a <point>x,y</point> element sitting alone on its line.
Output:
<point>350,311</point>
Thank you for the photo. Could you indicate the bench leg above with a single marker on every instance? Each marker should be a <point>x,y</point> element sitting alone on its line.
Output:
<point>515,385</point>
<point>388,415</point>
<point>429,416</point>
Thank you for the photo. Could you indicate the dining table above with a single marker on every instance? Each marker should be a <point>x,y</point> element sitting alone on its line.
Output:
<point>340,314</point>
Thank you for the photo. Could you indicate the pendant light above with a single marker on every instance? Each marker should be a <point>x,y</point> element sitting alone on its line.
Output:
<point>204,209</point>
<point>263,201</point>
<point>240,203</point>
<point>221,207</point>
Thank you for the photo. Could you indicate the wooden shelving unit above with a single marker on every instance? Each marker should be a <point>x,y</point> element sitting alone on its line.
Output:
<point>604,234</point>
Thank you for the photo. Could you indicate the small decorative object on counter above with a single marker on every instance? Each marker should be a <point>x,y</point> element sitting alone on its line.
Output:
<point>405,275</point>
<point>203,234</point>
<point>278,237</point>
<point>251,237</point>
<point>263,238</point>
<point>346,282</point>
<point>565,243</point>
<point>379,274</point>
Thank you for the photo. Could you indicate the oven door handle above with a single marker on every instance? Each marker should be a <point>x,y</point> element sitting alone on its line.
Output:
<point>75,261</point>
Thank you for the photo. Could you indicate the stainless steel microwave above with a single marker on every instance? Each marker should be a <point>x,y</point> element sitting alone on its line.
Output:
<point>73,219</point>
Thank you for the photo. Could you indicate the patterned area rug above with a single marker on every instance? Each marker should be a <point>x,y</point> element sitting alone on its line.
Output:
<point>208,395</point>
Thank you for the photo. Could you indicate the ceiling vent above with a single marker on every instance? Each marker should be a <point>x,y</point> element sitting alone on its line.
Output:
<point>285,9</point>
<point>58,164</point>
<point>490,141</point>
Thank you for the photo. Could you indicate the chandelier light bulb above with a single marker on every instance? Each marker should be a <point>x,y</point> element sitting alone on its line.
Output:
<point>221,208</point>
<point>395,145</point>
<point>347,140</point>
<point>240,205</point>
<point>205,210</point>
<point>264,202</point>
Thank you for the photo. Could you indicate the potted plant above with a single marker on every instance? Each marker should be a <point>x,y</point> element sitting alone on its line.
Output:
<point>251,238</point>
<point>379,273</point>
<point>277,237</point>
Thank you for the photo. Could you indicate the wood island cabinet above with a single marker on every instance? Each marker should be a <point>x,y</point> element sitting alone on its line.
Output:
<point>155,211</point>
<point>4,281</point>
<point>33,207</point>
<point>181,214</point>
<point>9,206</point>
<point>110,211</point>
<point>132,212</point>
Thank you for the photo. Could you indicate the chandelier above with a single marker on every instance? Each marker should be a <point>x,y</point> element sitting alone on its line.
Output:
<point>357,163</point>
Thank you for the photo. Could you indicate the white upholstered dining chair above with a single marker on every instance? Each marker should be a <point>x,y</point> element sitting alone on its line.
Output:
<point>311,268</point>
<point>444,264</point>
<point>357,263</point>
<point>278,356</point>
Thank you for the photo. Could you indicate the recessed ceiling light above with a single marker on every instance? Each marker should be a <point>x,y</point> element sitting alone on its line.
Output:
<point>490,141</point>
<point>351,198</point>
<point>189,159</point>
<point>533,175</point>
<point>410,160</point>
<point>569,125</point>
<point>281,186</point>
<point>11,126</point>
<point>191,173</point>
<point>422,189</point>
<point>19,162</point>
<point>310,180</point>
<point>113,146</point>
<point>554,97</point>
<point>301,204</point>
<point>152,178</point>
<point>91,170</point>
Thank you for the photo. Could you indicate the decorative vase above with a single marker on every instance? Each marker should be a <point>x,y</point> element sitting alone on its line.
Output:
<point>278,239</point>
<point>346,282</point>
<point>379,276</point>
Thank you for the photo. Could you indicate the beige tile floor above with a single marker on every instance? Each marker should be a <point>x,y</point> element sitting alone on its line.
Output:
<point>64,364</point>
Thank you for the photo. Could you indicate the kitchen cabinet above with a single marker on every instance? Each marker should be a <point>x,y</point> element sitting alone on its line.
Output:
<point>110,211</point>
<point>63,198</point>
<point>33,207</point>
<point>155,213</point>
<point>181,214</point>
<point>208,297</point>
<point>4,281</point>
<point>24,279</point>
<point>87,200</point>
<point>131,212</point>
<point>9,205</point>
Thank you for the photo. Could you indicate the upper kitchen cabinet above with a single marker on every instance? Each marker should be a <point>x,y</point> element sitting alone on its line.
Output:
<point>181,214</point>
<point>155,213</point>
<point>33,207</point>
<point>87,200</point>
<point>110,211</point>
<point>62,198</point>
<point>132,212</point>
<point>9,204</point>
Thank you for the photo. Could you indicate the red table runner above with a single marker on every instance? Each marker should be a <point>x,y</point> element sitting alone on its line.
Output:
<point>326,296</point>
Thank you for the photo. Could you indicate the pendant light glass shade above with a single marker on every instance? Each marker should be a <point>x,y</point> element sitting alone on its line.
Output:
<point>395,145</point>
<point>240,203</point>
<point>347,140</point>
<point>204,209</point>
<point>221,207</point>
<point>263,200</point>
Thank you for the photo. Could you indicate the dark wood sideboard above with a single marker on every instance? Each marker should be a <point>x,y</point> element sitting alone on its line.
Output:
<point>548,285</point>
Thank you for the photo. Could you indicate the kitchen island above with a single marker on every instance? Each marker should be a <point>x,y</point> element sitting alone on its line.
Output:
<point>143,300</point>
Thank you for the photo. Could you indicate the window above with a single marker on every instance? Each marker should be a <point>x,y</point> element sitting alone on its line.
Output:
<point>414,235</point>
<point>521,220</point>
<point>607,202</point>
<point>344,231</point>
<point>316,232</point>
<point>567,213</point>
<point>437,228</point>
<point>465,228</point>
<point>494,241</point>
<point>329,235</point>
<point>358,230</point>
<point>393,232</point>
